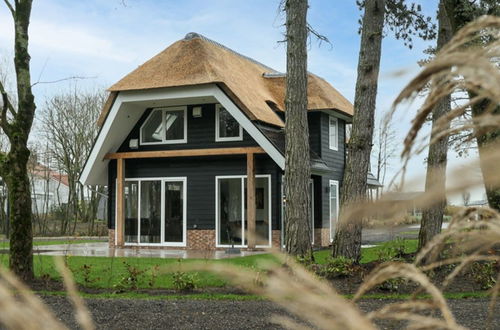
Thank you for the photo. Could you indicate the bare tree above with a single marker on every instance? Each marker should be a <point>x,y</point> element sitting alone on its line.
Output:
<point>385,148</point>
<point>432,216</point>
<point>16,123</point>
<point>68,124</point>
<point>297,164</point>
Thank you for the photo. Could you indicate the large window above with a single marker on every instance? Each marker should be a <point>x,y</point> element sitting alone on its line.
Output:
<point>231,211</point>
<point>333,133</point>
<point>166,125</point>
<point>155,211</point>
<point>226,127</point>
<point>334,207</point>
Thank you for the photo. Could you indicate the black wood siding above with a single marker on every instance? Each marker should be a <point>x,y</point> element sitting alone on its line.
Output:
<point>200,133</point>
<point>200,173</point>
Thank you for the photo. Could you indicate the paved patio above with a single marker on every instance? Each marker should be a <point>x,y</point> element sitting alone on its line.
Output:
<point>103,250</point>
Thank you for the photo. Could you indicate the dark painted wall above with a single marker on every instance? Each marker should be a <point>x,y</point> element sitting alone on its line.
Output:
<point>200,133</point>
<point>200,174</point>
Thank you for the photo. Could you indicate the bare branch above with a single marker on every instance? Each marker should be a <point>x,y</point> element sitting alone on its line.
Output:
<point>11,8</point>
<point>62,79</point>
<point>7,106</point>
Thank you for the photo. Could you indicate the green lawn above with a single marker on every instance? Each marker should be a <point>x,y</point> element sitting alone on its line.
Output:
<point>374,253</point>
<point>108,273</point>
<point>5,245</point>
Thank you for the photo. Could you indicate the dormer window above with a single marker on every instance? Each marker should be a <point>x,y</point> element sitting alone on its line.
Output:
<point>164,126</point>
<point>333,133</point>
<point>226,127</point>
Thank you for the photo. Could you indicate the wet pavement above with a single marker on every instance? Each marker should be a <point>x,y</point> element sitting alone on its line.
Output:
<point>102,249</point>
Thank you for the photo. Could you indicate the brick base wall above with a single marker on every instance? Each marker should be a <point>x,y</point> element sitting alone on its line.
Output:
<point>201,239</point>
<point>276,239</point>
<point>321,237</point>
<point>205,239</point>
<point>111,238</point>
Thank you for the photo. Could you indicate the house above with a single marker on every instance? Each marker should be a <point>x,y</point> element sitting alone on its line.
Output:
<point>192,151</point>
<point>49,189</point>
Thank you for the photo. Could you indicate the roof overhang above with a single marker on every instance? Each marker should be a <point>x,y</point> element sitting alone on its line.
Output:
<point>337,113</point>
<point>128,108</point>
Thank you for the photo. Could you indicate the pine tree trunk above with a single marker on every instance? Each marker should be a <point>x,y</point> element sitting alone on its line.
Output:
<point>347,241</point>
<point>297,165</point>
<point>485,140</point>
<point>432,216</point>
<point>487,143</point>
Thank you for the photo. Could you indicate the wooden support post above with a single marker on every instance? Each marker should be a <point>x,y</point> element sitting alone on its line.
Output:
<point>251,200</point>
<point>120,202</point>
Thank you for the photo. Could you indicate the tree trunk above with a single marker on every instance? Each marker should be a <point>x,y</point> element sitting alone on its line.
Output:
<point>21,237</point>
<point>432,216</point>
<point>347,241</point>
<point>459,17</point>
<point>15,165</point>
<point>297,165</point>
<point>487,143</point>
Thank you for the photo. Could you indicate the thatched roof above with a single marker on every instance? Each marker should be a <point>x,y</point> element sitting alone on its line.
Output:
<point>253,86</point>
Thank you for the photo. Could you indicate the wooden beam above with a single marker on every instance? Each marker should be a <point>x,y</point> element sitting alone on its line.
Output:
<point>120,202</point>
<point>251,200</point>
<point>185,153</point>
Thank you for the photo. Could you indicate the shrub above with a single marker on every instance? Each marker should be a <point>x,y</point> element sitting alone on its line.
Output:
<point>336,267</point>
<point>184,281</point>
<point>87,275</point>
<point>132,277</point>
<point>484,274</point>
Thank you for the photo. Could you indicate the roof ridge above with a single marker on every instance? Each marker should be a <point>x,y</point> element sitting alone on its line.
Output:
<point>195,35</point>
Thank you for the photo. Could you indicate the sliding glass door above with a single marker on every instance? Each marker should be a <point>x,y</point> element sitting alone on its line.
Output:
<point>231,210</point>
<point>155,211</point>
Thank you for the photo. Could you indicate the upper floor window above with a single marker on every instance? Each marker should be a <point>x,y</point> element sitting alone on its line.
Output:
<point>333,130</point>
<point>165,125</point>
<point>226,127</point>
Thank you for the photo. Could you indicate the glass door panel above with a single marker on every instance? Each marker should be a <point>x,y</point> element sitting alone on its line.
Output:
<point>230,211</point>
<point>131,192</point>
<point>174,211</point>
<point>262,218</point>
<point>150,212</point>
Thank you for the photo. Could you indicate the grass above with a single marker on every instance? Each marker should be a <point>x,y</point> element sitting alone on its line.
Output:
<point>385,250</point>
<point>5,245</point>
<point>142,273</point>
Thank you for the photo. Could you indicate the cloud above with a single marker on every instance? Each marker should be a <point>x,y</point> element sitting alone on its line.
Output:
<point>68,39</point>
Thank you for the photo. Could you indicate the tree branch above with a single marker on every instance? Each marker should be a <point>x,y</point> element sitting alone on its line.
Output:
<point>7,106</point>
<point>60,80</point>
<point>11,8</point>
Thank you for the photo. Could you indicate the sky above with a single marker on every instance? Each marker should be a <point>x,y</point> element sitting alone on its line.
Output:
<point>103,40</point>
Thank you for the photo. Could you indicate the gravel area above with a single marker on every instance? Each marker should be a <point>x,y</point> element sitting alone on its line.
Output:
<point>209,314</point>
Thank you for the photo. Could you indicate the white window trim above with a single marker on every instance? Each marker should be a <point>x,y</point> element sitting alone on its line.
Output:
<point>164,140</point>
<point>241,177</point>
<point>183,179</point>
<point>336,184</point>
<point>336,146</point>
<point>217,132</point>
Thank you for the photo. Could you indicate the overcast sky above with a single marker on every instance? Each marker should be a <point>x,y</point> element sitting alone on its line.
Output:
<point>106,39</point>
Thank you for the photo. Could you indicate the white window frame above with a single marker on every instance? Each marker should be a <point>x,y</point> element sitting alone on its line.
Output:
<point>218,138</point>
<point>336,184</point>
<point>242,178</point>
<point>163,180</point>
<point>336,146</point>
<point>163,116</point>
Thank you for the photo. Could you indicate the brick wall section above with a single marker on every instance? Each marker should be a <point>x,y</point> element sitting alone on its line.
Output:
<point>200,239</point>
<point>111,238</point>
<point>322,237</point>
<point>276,239</point>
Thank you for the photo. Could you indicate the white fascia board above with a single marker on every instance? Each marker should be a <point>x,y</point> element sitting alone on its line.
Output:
<point>252,130</point>
<point>129,107</point>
